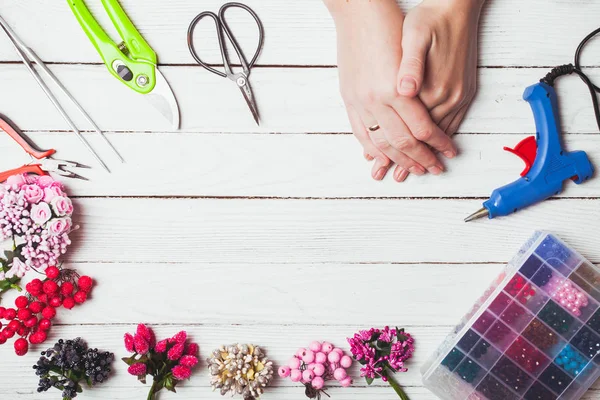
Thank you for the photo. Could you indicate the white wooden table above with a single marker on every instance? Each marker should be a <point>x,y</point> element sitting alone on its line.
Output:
<point>277,235</point>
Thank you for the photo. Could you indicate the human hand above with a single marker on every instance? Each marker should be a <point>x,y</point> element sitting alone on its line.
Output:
<point>369,55</point>
<point>439,61</point>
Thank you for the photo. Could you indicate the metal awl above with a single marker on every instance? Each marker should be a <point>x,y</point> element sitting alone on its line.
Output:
<point>29,57</point>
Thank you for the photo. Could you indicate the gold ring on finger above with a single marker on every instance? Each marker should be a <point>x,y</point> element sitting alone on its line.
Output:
<point>374,128</point>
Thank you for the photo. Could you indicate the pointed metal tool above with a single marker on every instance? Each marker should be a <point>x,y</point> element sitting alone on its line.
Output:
<point>29,57</point>
<point>478,214</point>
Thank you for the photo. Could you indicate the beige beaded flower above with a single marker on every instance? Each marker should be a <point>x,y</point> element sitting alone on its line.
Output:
<point>240,369</point>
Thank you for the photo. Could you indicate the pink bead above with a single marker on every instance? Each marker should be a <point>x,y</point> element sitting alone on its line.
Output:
<point>320,358</point>
<point>315,346</point>
<point>327,347</point>
<point>577,313</point>
<point>340,374</point>
<point>284,372</point>
<point>294,363</point>
<point>308,356</point>
<point>308,376</point>
<point>318,383</point>
<point>346,382</point>
<point>580,296</point>
<point>300,352</point>
<point>319,369</point>
<point>311,366</point>
<point>296,375</point>
<point>334,357</point>
<point>346,362</point>
<point>571,296</point>
<point>338,350</point>
<point>563,302</point>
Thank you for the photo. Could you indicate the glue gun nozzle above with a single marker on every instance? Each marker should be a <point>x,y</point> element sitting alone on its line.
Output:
<point>479,214</point>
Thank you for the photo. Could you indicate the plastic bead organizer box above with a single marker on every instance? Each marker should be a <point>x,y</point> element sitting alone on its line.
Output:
<point>534,334</point>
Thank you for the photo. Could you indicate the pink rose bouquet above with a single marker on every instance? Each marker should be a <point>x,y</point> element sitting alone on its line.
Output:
<point>35,219</point>
<point>382,352</point>
<point>168,361</point>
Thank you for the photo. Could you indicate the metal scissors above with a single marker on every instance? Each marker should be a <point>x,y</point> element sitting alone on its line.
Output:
<point>45,161</point>
<point>133,61</point>
<point>29,57</point>
<point>240,78</point>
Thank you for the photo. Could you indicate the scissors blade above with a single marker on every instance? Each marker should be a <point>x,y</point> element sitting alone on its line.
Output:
<point>250,101</point>
<point>163,99</point>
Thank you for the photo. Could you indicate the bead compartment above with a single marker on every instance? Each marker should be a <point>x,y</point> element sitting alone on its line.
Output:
<point>525,340</point>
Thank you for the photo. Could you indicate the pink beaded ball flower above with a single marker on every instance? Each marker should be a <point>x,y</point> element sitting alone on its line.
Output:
<point>314,366</point>
<point>35,222</point>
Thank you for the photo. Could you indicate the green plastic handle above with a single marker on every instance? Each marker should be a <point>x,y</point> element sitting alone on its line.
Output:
<point>135,66</point>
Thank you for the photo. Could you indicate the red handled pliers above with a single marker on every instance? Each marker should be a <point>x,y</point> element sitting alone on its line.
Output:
<point>45,163</point>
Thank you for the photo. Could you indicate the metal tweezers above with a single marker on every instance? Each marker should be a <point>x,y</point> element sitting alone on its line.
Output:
<point>29,57</point>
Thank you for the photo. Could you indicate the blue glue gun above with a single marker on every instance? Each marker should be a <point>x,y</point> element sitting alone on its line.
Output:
<point>548,165</point>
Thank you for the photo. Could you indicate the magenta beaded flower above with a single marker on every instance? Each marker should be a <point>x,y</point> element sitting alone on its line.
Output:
<point>35,219</point>
<point>149,358</point>
<point>382,352</point>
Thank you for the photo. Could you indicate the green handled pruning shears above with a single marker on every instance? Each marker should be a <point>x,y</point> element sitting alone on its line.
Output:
<point>133,61</point>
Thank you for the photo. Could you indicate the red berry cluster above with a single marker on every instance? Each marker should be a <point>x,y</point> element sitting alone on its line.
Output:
<point>32,317</point>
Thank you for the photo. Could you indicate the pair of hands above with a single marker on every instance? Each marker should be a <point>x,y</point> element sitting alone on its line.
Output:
<point>414,76</point>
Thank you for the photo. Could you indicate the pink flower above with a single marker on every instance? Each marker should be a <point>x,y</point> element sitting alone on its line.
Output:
<point>18,269</point>
<point>179,337</point>
<point>147,334</point>
<point>192,349</point>
<point>31,179</point>
<point>180,372</point>
<point>161,346</point>
<point>52,192</point>
<point>140,344</point>
<point>176,352</point>
<point>62,206</point>
<point>40,213</point>
<point>16,181</point>
<point>137,369</point>
<point>45,181</point>
<point>33,193</point>
<point>58,226</point>
<point>129,346</point>
<point>188,361</point>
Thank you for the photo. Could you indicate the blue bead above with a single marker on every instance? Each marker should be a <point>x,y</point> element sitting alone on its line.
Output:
<point>559,361</point>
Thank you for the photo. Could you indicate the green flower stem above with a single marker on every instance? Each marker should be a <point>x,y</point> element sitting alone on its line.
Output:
<point>396,386</point>
<point>151,394</point>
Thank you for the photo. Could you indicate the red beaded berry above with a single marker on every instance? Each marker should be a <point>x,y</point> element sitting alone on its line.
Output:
<point>21,347</point>
<point>49,312</point>
<point>52,272</point>
<point>66,289</point>
<point>45,324</point>
<point>31,322</point>
<point>68,303</point>
<point>36,307</point>
<point>21,302</point>
<point>85,283</point>
<point>13,325</point>
<point>80,297</point>
<point>50,287</point>
<point>55,301</point>
<point>10,314</point>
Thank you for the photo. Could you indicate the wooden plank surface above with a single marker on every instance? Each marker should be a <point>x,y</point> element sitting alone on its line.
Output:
<point>291,101</point>
<point>249,165</point>
<point>318,231</point>
<point>513,32</point>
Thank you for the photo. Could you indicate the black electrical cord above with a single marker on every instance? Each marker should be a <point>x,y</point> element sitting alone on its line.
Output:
<point>568,69</point>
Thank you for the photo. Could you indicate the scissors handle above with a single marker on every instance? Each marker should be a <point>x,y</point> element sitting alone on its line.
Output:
<point>223,27</point>
<point>14,132</point>
<point>25,169</point>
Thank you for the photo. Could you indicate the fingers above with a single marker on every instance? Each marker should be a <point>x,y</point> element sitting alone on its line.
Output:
<point>415,155</point>
<point>381,140</point>
<point>457,120</point>
<point>422,127</point>
<point>415,47</point>
<point>382,162</point>
<point>400,174</point>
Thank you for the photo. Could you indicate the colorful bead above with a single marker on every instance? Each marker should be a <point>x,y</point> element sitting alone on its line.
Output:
<point>556,379</point>
<point>513,376</point>
<point>540,335</point>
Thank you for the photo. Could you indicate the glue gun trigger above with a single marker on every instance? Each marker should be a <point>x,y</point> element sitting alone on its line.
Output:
<point>526,150</point>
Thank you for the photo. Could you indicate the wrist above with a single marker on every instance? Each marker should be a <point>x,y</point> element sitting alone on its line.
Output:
<point>465,5</point>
